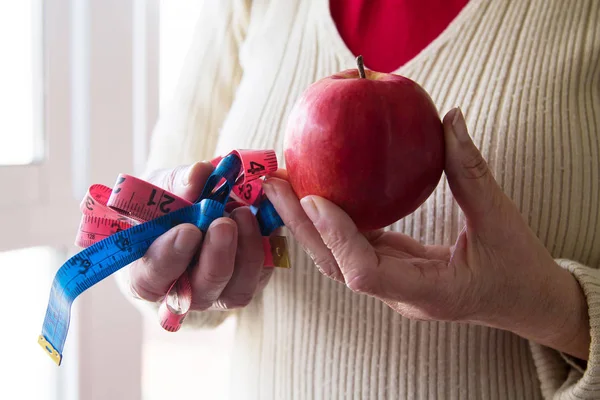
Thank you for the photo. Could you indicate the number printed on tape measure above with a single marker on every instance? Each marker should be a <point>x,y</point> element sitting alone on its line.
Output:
<point>120,180</point>
<point>162,203</point>
<point>245,191</point>
<point>256,168</point>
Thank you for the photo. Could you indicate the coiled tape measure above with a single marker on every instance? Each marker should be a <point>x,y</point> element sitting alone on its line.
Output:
<point>119,225</point>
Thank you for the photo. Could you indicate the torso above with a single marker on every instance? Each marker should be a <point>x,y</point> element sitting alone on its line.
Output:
<point>532,102</point>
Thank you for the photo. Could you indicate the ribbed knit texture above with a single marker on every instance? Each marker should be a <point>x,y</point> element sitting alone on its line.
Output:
<point>527,77</point>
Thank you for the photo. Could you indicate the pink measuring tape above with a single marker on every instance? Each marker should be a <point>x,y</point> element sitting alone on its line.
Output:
<point>133,201</point>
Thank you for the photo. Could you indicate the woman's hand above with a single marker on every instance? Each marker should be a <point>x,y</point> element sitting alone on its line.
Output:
<point>498,273</point>
<point>229,270</point>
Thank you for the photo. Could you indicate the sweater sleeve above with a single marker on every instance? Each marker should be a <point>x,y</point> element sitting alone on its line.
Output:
<point>188,130</point>
<point>563,376</point>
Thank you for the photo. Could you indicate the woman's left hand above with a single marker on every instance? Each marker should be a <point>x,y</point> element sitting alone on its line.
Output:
<point>498,273</point>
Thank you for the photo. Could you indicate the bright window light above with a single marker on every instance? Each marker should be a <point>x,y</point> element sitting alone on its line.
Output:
<point>20,82</point>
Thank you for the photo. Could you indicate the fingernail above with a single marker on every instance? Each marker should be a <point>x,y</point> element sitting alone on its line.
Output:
<point>186,241</point>
<point>459,126</point>
<point>310,208</point>
<point>245,220</point>
<point>221,233</point>
<point>266,185</point>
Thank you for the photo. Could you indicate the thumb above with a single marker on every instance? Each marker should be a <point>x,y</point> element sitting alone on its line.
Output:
<point>186,181</point>
<point>352,251</point>
<point>469,177</point>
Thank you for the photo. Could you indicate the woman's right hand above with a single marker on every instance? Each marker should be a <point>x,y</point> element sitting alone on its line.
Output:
<point>229,267</point>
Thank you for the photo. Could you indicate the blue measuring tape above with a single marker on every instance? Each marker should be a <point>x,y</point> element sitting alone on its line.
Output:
<point>109,255</point>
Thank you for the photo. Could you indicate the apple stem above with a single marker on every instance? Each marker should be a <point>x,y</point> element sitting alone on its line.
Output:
<point>361,67</point>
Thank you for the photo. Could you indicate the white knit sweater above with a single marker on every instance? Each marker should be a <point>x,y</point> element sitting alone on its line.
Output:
<point>527,76</point>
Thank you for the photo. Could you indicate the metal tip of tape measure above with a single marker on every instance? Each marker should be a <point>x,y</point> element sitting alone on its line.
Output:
<point>50,350</point>
<point>279,251</point>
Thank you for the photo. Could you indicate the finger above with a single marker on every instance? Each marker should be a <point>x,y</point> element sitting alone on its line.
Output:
<point>438,252</point>
<point>265,276</point>
<point>353,253</point>
<point>164,262</point>
<point>288,207</point>
<point>405,247</point>
<point>249,261</point>
<point>397,241</point>
<point>215,265</point>
<point>281,173</point>
<point>469,177</point>
<point>186,181</point>
<point>458,252</point>
<point>382,274</point>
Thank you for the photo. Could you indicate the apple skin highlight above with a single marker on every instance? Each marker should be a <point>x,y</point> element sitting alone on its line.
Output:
<point>374,146</point>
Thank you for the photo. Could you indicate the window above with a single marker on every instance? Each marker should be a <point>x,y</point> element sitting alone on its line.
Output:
<point>30,374</point>
<point>20,80</point>
<point>66,102</point>
<point>79,83</point>
<point>21,143</point>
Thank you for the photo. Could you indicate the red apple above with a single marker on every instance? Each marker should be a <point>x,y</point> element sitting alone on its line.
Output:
<point>370,142</point>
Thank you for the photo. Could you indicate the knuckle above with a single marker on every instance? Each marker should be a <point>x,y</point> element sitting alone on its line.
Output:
<point>251,263</point>
<point>171,177</point>
<point>204,298</point>
<point>251,256</point>
<point>339,245</point>
<point>246,221</point>
<point>362,283</point>
<point>219,305</point>
<point>344,250</point>
<point>326,265</point>
<point>265,276</point>
<point>160,263</point>
<point>143,285</point>
<point>238,300</point>
<point>185,241</point>
<point>328,268</point>
<point>474,166</point>
<point>201,305</point>
<point>144,261</point>
<point>215,278</point>
<point>297,226</point>
<point>334,275</point>
<point>149,270</point>
<point>254,257</point>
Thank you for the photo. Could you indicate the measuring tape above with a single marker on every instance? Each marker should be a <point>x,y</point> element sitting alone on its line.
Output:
<point>119,225</point>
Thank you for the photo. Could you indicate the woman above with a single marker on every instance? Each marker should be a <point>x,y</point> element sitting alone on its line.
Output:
<point>489,290</point>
